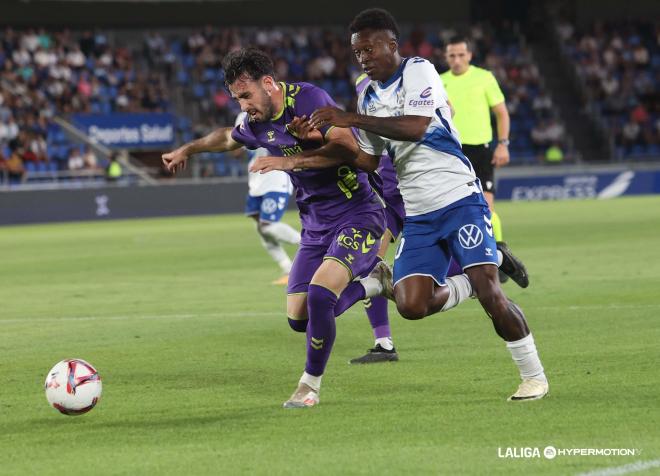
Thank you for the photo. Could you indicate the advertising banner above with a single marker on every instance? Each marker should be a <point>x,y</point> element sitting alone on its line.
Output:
<point>128,131</point>
<point>579,185</point>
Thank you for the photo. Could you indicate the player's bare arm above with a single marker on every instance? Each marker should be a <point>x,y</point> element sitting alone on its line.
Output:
<point>406,128</point>
<point>501,153</point>
<point>341,148</point>
<point>219,140</point>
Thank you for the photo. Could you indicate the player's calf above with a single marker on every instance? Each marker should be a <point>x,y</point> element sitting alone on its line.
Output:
<point>508,319</point>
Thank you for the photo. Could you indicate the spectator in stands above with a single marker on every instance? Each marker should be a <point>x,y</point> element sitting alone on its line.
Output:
<point>539,134</point>
<point>555,131</point>
<point>554,155</point>
<point>113,171</point>
<point>75,160</point>
<point>14,167</point>
<point>542,104</point>
<point>36,144</point>
<point>10,131</point>
<point>3,167</point>
<point>417,45</point>
<point>630,134</point>
<point>75,58</point>
<point>89,158</point>
<point>639,114</point>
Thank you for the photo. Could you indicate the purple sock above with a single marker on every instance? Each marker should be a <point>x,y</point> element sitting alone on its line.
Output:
<point>321,328</point>
<point>454,268</point>
<point>376,308</point>
<point>353,293</point>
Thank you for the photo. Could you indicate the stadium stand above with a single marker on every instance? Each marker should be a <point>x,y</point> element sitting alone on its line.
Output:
<point>618,66</point>
<point>46,73</point>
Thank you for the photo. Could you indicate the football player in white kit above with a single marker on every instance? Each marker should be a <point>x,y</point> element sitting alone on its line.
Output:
<point>404,112</point>
<point>267,200</point>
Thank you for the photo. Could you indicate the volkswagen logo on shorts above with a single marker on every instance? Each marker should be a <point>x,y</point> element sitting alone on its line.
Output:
<point>470,236</point>
<point>269,206</point>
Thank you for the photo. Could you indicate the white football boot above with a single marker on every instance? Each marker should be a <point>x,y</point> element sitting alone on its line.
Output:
<point>383,273</point>
<point>530,389</point>
<point>304,397</point>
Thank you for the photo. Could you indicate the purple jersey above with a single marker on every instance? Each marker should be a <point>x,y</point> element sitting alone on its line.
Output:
<point>324,196</point>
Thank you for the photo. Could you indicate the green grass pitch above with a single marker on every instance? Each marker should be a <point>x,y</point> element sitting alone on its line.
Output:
<point>196,356</point>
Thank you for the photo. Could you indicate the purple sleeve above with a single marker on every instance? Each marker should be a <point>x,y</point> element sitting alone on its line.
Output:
<point>310,99</point>
<point>243,134</point>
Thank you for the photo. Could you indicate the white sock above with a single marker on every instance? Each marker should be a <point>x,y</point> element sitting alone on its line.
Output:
<point>312,381</point>
<point>372,287</point>
<point>281,232</point>
<point>500,258</point>
<point>285,265</point>
<point>526,357</point>
<point>277,253</point>
<point>385,342</point>
<point>460,289</point>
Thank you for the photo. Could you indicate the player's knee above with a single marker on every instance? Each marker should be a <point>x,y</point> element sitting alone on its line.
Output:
<point>262,226</point>
<point>298,325</point>
<point>412,310</point>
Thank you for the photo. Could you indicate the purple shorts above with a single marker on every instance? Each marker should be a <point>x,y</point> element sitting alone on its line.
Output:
<point>395,213</point>
<point>354,244</point>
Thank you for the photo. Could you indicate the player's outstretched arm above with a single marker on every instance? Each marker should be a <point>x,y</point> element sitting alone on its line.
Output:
<point>406,128</point>
<point>219,140</point>
<point>341,148</point>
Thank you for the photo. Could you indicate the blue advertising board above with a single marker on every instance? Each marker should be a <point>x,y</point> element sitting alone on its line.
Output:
<point>128,131</point>
<point>579,185</point>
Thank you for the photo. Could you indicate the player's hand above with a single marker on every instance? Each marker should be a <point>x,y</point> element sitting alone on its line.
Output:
<point>175,160</point>
<point>299,127</point>
<point>500,156</point>
<point>267,164</point>
<point>331,116</point>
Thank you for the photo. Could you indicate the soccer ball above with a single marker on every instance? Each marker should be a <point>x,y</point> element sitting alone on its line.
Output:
<point>73,387</point>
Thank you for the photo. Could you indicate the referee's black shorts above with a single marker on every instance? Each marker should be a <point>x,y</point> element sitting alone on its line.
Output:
<point>480,156</point>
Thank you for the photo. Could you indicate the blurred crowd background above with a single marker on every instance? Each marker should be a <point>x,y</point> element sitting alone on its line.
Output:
<point>598,79</point>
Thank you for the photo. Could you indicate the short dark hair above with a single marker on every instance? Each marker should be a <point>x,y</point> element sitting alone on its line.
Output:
<point>374,19</point>
<point>454,40</point>
<point>251,61</point>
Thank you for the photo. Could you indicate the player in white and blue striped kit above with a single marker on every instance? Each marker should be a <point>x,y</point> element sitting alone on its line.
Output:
<point>404,111</point>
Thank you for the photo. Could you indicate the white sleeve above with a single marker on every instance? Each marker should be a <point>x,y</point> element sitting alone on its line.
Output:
<point>370,143</point>
<point>423,88</point>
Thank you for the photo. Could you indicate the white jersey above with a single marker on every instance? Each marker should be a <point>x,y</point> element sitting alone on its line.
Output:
<point>433,172</point>
<point>261,184</point>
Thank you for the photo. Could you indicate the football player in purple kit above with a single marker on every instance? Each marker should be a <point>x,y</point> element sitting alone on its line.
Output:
<point>342,216</point>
